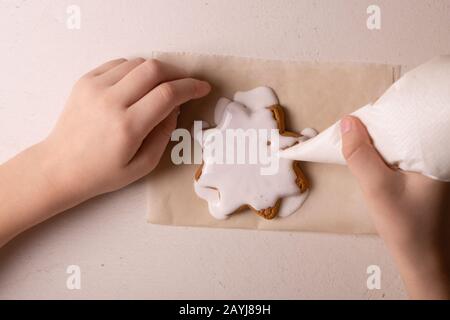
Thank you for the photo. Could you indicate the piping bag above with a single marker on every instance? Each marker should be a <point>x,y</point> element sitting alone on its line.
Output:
<point>409,125</point>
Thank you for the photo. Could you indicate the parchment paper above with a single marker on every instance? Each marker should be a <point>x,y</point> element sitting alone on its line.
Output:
<point>313,95</point>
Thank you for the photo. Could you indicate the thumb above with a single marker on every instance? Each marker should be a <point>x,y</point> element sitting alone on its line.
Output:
<point>362,158</point>
<point>153,146</point>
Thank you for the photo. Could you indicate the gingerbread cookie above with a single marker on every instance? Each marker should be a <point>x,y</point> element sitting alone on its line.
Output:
<point>230,184</point>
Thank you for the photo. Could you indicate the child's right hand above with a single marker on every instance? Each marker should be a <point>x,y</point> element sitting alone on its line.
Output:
<point>410,211</point>
<point>116,124</point>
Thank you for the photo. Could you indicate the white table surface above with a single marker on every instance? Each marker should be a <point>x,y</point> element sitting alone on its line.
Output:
<point>120,255</point>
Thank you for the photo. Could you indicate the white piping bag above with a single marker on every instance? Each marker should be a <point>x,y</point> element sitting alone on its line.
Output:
<point>409,125</point>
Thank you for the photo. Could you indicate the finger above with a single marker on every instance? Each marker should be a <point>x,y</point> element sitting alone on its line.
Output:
<point>362,158</point>
<point>153,146</point>
<point>113,75</point>
<point>105,67</point>
<point>158,103</point>
<point>144,78</point>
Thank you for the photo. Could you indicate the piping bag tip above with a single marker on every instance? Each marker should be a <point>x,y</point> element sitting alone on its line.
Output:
<point>323,148</point>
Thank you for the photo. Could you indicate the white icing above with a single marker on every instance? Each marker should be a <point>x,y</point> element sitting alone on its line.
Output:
<point>409,125</point>
<point>220,108</point>
<point>309,133</point>
<point>226,187</point>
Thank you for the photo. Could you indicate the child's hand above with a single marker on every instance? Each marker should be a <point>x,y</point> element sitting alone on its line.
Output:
<point>114,129</point>
<point>117,123</point>
<point>410,212</point>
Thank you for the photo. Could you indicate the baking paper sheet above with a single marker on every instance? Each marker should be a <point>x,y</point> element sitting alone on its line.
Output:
<point>313,95</point>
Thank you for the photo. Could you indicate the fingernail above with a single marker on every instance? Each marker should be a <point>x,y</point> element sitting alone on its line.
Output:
<point>203,88</point>
<point>346,125</point>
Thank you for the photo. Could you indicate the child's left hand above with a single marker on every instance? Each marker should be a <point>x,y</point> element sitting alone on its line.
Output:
<point>117,123</point>
<point>113,131</point>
